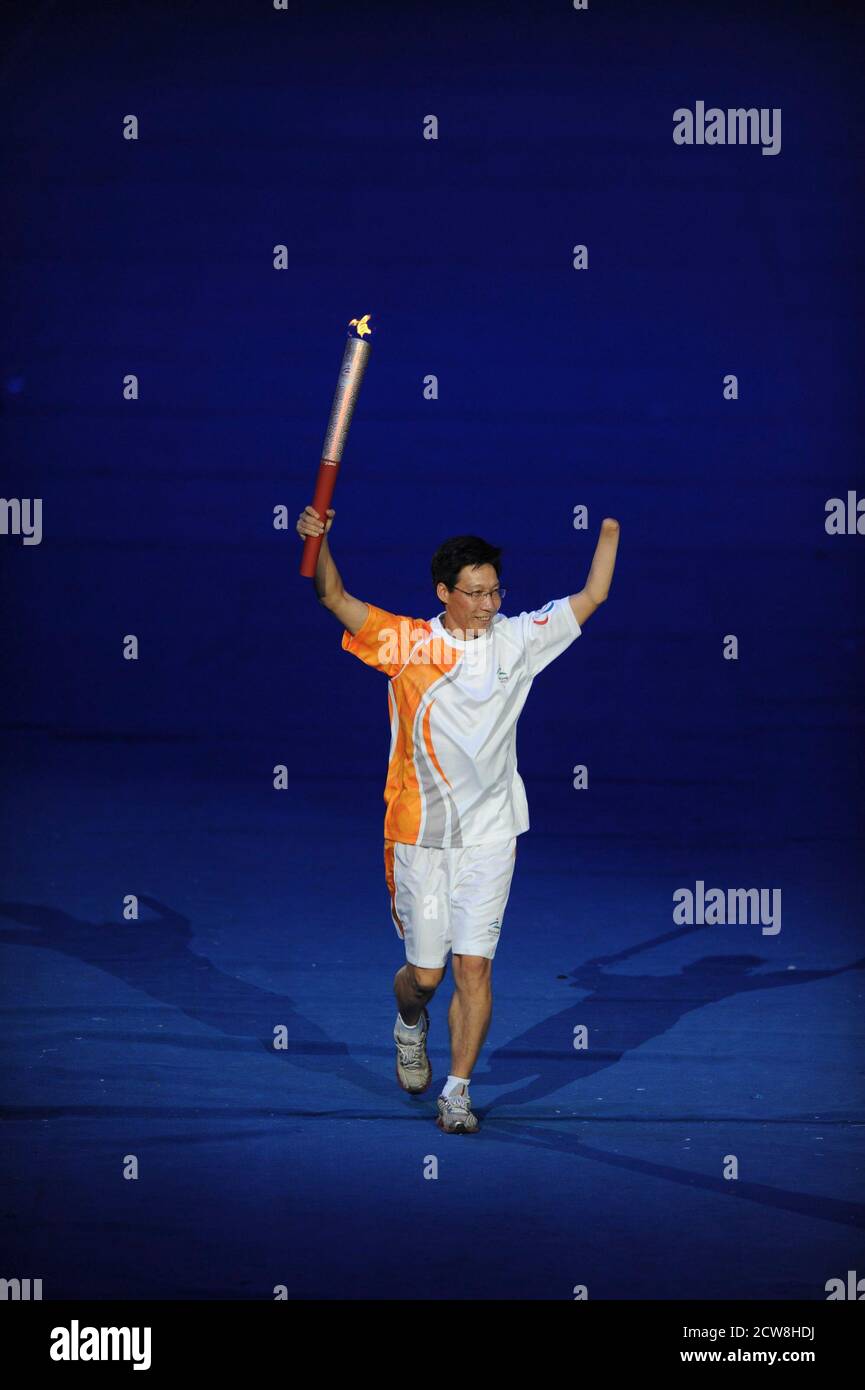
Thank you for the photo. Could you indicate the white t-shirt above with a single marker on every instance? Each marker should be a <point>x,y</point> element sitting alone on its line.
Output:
<point>452,776</point>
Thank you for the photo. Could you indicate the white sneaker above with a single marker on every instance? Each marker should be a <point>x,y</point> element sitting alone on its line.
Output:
<point>456,1115</point>
<point>413,1067</point>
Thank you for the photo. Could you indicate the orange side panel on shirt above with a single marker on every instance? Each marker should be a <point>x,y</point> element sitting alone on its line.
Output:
<point>402,793</point>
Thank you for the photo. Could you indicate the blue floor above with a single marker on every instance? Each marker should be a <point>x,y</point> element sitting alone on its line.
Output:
<point>305,1167</point>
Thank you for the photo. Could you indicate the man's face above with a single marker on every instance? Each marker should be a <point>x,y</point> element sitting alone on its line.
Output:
<point>465,608</point>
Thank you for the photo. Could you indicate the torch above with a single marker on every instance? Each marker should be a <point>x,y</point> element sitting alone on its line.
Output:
<point>354,361</point>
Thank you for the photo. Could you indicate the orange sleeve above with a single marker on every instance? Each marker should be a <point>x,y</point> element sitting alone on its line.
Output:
<point>386,639</point>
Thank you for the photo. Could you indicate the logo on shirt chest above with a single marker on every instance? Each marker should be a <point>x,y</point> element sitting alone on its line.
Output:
<point>503,675</point>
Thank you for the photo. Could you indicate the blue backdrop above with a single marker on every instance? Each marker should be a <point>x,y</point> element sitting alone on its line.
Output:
<point>557,387</point>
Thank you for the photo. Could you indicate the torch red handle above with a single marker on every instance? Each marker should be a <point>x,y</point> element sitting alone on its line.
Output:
<point>325,483</point>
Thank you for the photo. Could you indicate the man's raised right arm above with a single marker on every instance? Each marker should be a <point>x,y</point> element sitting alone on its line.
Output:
<point>348,611</point>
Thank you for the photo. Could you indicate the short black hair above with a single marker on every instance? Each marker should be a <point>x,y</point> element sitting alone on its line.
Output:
<point>459,551</point>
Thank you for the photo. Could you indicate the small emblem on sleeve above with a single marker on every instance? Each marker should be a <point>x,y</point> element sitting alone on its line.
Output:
<point>539,622</point>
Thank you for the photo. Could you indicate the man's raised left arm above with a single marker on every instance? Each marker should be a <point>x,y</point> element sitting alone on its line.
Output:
<point>597,586</point>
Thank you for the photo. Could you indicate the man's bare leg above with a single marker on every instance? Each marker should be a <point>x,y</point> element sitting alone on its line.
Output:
<point>414,987</point>
<point>471,1009</point>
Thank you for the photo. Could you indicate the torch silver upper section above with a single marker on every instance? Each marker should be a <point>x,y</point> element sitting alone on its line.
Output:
<point>354,361</point>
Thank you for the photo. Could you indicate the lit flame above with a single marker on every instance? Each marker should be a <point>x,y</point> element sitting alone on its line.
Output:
<point>362,325</point>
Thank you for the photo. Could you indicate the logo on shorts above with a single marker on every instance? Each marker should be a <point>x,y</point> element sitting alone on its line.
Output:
<point>503,675</point>
<point>494,927</point>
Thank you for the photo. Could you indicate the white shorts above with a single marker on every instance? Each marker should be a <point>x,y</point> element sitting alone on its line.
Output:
<point>448,899</point>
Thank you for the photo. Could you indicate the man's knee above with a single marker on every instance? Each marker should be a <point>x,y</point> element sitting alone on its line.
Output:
<point>472,972</point>
<point>423,979</point>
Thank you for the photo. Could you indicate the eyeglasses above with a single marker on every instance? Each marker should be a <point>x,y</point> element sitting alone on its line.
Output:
<point>477,594</point>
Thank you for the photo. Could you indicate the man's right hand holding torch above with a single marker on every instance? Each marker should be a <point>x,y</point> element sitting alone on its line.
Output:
<point>350,612</point>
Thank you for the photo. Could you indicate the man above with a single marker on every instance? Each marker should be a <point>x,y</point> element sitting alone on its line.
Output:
<point>455,801</point>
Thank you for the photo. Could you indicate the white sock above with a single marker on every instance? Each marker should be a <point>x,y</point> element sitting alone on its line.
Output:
<point>453,1082</point>
<point>414,1029</point>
